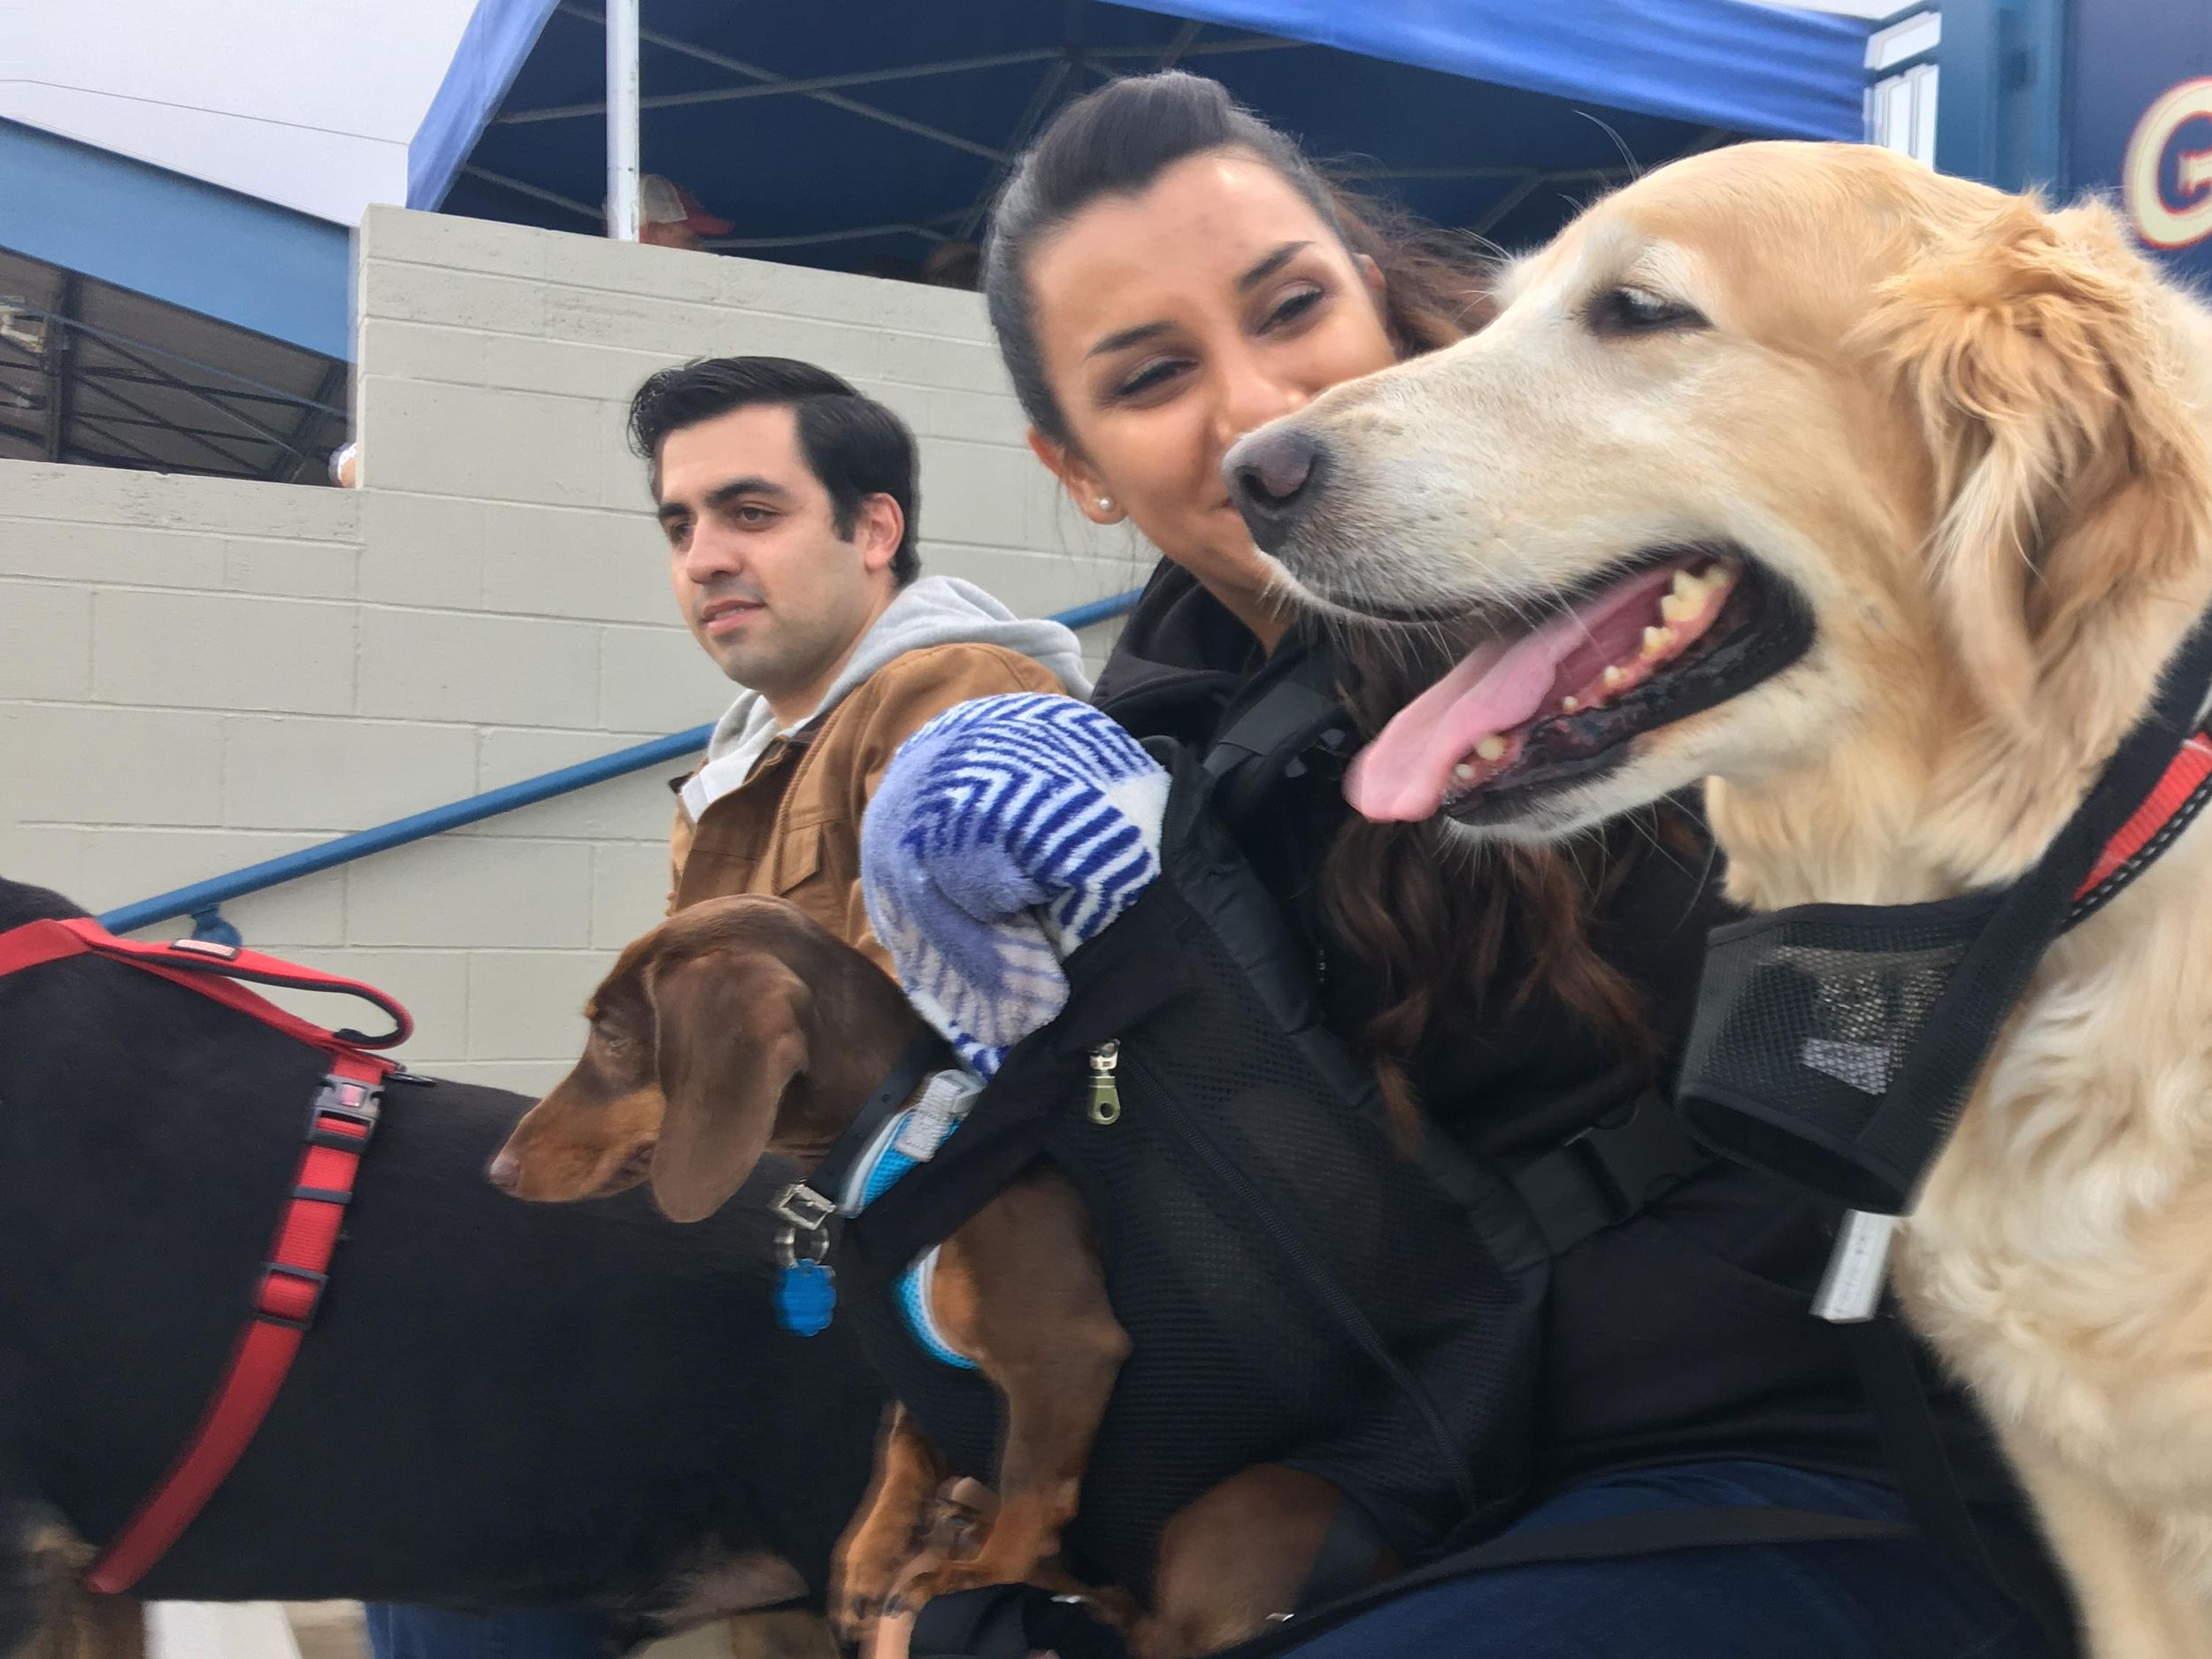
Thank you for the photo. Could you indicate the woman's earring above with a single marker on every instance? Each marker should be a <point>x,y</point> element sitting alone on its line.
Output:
<point>1105,504</point>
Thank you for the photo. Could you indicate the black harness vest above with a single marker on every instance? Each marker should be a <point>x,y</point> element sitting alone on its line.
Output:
<point>1296,1290</point>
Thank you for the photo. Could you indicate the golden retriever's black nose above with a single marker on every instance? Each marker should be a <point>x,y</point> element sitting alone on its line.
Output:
<point>1273,476</point>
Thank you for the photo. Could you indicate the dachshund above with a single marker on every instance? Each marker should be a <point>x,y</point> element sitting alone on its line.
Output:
<point>739,1028</point>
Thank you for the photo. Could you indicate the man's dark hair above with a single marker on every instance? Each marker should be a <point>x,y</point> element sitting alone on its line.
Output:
<point>853,445</point>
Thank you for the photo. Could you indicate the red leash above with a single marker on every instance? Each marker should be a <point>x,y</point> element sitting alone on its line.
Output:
<point>289,1286</point>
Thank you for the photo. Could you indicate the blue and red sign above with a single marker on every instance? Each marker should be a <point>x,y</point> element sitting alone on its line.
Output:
<point>2139,108</point>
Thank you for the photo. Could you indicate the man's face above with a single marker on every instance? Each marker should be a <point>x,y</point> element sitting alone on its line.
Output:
<point>770,590</point>
<point>670,234</point>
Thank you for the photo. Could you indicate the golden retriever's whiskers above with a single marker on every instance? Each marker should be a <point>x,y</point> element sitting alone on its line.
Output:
<point>1628,157</point>
<point>1489,249</point>
<point>1643,828</point>
<point>1514,605</point>
<point>1704,879</point>
<point>1571,849</point>
<point>1563,609</point>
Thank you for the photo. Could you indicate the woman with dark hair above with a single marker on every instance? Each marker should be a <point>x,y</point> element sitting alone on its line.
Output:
<point>1165,272</point>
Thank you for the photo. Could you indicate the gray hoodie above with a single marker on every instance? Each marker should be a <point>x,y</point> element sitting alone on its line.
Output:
<point>935,610</point>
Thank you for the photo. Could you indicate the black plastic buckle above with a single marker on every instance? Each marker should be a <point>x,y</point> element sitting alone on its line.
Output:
<point>277,1270</point>
<point>1589,1156</point>
<point>322,1195</point>
<point>351,1099</point>
<point>1633,1159</point>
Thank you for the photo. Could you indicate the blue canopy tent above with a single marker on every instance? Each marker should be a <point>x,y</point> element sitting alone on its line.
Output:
<point>858,134</point>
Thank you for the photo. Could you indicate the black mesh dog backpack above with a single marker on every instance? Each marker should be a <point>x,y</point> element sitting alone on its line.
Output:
<point>1295,1289</point>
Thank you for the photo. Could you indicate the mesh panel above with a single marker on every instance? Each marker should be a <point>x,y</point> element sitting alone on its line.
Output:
<point>1803,1020</point>
<point>1252,1221</point>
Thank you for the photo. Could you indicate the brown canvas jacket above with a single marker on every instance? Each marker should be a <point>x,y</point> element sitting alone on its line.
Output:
<point>792,829</point>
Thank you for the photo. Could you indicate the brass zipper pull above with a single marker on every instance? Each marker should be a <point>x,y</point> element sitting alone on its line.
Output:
<point>1105,1091</point>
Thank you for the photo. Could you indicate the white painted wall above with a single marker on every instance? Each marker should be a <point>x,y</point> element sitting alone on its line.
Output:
<point>199,674</point>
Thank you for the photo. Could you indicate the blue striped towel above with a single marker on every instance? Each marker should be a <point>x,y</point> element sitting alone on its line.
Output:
<point>1005,833</point>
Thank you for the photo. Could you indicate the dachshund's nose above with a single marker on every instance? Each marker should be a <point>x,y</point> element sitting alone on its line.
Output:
<point>1273,475</point>
<point>505,1172</point>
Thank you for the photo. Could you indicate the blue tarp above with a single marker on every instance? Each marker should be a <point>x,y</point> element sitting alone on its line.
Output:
<point>1754,69</point>
<point>1454,106</point>
<point>497,39</point>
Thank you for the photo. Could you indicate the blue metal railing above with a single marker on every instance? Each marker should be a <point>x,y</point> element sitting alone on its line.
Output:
<point>202,900</point>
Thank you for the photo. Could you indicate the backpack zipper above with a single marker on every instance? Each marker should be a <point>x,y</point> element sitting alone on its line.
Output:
<point>1105,1089</point>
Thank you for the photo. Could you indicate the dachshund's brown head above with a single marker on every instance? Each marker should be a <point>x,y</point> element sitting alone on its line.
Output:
<point>735,1027</point>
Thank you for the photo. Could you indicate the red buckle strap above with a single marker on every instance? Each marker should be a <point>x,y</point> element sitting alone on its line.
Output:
<point>289,1292</point>
<point>288,1297</point>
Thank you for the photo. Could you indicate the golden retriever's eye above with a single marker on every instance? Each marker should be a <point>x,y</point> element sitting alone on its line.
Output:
<point>1625,311</point>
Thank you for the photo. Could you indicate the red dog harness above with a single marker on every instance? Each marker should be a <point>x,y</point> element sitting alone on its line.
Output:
<point>2165,813</point>
<point>340,1121</point>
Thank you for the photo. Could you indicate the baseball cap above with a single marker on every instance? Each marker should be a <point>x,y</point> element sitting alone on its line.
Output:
<point>664,202</point>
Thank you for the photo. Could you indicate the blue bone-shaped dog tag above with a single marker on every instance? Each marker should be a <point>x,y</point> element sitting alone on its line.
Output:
<point>806,1296</point>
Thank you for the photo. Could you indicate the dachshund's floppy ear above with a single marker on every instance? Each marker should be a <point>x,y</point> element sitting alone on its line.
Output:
<point>730,1036</point>
<point>2036,351</point>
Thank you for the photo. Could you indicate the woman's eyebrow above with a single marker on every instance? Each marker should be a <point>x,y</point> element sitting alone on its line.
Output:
<point>1135,336</point>
<point>1259,274</point>
<point>1269,266</point>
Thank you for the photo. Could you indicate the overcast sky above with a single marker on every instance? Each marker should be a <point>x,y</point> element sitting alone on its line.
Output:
<point>309,103</point>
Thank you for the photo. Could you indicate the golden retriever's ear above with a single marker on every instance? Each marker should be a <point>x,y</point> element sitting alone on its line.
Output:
<point>731,1035</point>
<point>2067,468</point>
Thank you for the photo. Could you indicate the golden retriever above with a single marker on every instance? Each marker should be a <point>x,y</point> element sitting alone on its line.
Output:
<point>1877,499</point>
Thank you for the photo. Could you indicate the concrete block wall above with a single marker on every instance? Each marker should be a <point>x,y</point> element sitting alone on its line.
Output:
<point>196,674</point>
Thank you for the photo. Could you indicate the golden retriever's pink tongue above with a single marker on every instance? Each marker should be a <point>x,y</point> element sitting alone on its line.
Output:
<point>1404,775</point>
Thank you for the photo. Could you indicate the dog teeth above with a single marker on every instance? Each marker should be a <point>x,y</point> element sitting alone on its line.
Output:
<point>1491,747</point>
<point>1657,643</point>
<point>1462,773</point>
<point>1569,705</point>
<point>1615,677</point>
<point>1675,609</point>
<point>1697,585</point>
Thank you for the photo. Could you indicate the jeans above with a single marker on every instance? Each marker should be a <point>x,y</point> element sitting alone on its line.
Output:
<point>1866,1599</point>
<point>1871,1599</point>
<point>518,1632</point>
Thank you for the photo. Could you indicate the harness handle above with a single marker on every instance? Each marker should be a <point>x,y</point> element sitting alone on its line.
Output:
<point>212,969</point>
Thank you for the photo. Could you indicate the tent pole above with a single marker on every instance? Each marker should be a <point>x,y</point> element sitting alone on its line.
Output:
<point>622,96</point>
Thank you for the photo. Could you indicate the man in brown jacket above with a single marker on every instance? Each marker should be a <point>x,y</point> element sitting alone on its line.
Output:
<point>790,503</point>
<point>788,500</point>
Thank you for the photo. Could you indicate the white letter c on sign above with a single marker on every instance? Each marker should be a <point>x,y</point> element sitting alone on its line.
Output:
<point>2157,222</point>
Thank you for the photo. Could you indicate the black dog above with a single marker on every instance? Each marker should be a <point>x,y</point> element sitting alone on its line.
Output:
<point>499,1403</point>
